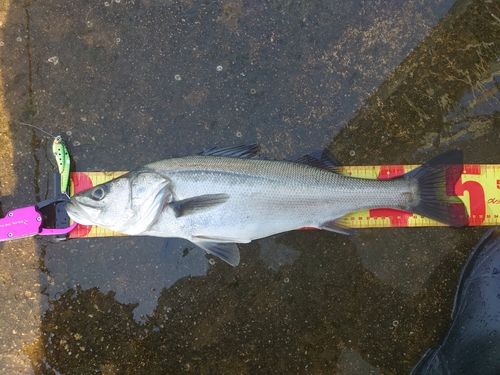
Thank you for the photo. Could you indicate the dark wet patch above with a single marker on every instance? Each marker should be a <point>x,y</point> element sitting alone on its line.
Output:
<point>253,318</point>
<point>415,100</point>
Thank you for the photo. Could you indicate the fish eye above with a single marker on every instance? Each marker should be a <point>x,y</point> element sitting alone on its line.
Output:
<point>98,193</point>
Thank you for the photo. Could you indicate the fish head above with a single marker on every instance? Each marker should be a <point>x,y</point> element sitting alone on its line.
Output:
<point>128,204</point>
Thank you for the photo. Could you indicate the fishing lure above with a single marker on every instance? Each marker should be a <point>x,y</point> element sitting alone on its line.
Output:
<point>63,161</point>
<point>62,157</point>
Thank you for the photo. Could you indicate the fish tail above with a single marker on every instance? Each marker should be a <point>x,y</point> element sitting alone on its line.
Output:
<point>436,184</point>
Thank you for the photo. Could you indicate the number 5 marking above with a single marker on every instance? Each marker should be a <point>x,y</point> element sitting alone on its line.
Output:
<point>477,203</point>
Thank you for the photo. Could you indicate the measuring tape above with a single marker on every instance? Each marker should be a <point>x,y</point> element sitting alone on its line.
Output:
<point>478,187</point>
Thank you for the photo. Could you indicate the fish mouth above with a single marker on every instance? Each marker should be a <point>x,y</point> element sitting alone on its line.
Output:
<point>81,214</point>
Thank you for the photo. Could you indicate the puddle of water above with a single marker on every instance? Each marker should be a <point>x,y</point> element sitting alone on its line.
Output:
<point>275,255</point>
<point>135,276</point>
<point>351,363</point>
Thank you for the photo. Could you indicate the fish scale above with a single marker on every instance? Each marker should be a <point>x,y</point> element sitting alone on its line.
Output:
<point>294,195</point>
<point>216,201</point>
<point>273,179</point>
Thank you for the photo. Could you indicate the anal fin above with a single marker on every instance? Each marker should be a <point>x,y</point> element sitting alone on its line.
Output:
<point>335,226</point>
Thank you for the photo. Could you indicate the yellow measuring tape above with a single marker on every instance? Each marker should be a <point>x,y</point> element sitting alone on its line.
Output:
<point>479,188</point>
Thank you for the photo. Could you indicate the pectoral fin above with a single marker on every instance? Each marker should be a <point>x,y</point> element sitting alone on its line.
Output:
<point>228,252</point>
<point>190,205</point>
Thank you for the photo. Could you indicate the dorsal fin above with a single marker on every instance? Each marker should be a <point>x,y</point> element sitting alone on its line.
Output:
<point>241,151</point>
<point>320,159</point>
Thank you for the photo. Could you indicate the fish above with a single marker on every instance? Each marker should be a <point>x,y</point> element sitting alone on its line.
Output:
<point>471,345</point>
<point>225,196</point>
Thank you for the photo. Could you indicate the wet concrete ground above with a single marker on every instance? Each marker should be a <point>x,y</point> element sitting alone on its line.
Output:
<point>130,82</point>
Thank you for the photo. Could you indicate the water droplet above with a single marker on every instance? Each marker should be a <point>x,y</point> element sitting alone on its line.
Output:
<point>219,68</point>
<point>253,91</point>
<point>211,261</point>
<point>118,40</point>
<point>19,39</point>
<point>76,143</point>
<point>117,1</point>
<point>177,77</point>
<point>286,280</point>
<point>395,323</point>
<point>68,133</point>
<point>106,4</point>
<point>2,44</point>
<point>239,135</point>
<point>352,152</point>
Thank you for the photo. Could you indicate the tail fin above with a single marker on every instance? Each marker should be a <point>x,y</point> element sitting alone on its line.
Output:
<point>436,182</point>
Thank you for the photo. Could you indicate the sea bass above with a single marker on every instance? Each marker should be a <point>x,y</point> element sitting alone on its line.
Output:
<point>222,197</point>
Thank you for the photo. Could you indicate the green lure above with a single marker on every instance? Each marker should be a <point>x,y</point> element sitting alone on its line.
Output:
<point>62,157</point>
<point>63,162</point>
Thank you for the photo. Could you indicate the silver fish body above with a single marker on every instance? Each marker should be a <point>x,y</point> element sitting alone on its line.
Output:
<point>218,201</point>
<point>267,197</point>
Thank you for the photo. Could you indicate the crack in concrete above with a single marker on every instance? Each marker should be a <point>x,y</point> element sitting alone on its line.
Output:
<point>30,64</point>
